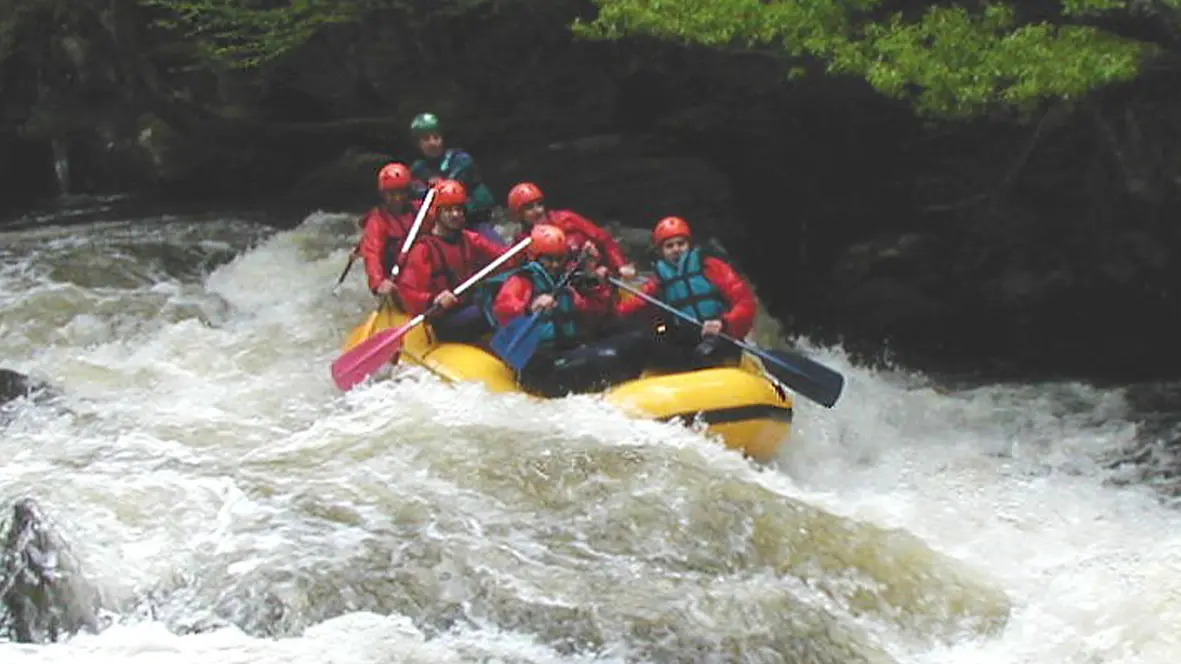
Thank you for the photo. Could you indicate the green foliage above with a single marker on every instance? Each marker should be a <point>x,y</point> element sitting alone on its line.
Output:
<point>244,34</point>
<point>949,61</point>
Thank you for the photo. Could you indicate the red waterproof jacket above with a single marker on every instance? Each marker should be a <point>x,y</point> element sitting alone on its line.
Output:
<point>436,263</point>
<point>382,241</point>
<point>516,295</point>
<point>578,230</point>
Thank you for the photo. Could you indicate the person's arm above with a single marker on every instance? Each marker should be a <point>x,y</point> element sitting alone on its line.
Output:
<point>633,305</point>
<point>414,280</point>
<point>513,299</point>
<point>609,250</point>
<point>373,241</point>
<point>739,319</point>
<point>593,301</point>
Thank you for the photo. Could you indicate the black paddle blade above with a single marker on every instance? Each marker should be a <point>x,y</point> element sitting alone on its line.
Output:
<point>806,377</point>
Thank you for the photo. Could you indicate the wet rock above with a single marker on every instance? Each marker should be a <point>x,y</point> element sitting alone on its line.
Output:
<point>632,179</point>
<point>14,385</point>
<point>888,307</point>
<point>44,594</point>
<point>350,177</point>
<point>984,243</point>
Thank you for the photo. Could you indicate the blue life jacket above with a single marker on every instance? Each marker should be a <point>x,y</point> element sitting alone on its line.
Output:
<point>559,326</point>
<point>685,288</point>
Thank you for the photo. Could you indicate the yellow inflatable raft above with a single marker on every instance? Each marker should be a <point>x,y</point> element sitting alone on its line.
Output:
<point>743,405</point>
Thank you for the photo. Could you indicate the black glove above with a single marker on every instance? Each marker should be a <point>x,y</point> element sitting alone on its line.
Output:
<point>707,347</point>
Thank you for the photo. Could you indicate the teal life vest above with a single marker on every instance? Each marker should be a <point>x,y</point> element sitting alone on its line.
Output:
<point>685,288</point>
<point>458,165</point>
<point>559,326</point>
<point>486,292</point>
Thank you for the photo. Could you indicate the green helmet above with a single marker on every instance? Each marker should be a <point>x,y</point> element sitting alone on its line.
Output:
<point>425,123</point>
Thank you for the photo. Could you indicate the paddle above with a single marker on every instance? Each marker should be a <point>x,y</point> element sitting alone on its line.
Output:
<point>426,203</point>
<point>366,329</point>
<point>367,357</point>
<point>345,273</point>
<point>517,341</point>
<point>807,377</point>
<point>369,327</point>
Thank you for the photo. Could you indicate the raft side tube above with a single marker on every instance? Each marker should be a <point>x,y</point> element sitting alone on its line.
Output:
<point>749,412</point>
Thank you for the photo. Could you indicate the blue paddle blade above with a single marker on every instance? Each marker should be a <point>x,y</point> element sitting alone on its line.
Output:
<point>516,342</point>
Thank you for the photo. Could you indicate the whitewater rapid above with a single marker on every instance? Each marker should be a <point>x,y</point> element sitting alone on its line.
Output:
<point>234,507</point>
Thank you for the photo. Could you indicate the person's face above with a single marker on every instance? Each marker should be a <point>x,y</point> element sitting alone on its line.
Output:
<point>452,217</point>
<point>673,248</point>
<point>431,144</point>
<point>533,213</point>
<point>395,199</point>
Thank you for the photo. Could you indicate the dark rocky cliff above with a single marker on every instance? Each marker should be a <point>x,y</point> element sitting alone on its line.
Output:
<point>1044,248</point>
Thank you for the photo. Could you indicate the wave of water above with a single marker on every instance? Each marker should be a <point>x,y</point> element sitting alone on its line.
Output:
<point>221,492</point>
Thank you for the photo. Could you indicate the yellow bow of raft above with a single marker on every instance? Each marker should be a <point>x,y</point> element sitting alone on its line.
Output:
<point>742,405</point>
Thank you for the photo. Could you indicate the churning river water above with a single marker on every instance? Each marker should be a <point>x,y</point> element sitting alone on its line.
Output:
<point>234,507</point>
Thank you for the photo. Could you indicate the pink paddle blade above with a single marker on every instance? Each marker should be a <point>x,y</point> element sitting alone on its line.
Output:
<point>368,357</point>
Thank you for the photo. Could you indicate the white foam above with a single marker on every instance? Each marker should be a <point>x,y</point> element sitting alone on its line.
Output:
<point>194,436</point>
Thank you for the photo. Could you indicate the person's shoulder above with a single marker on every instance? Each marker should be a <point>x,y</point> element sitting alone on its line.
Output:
<point>460,155</point>
<point>572,216</point>
<point>719,266</point>
<point>421,247</point>
<point>475,238</point>
<point>710,258</point>
<point>370,214</point>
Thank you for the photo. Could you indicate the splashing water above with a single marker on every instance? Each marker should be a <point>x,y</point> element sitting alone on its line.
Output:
<point>221,491</point>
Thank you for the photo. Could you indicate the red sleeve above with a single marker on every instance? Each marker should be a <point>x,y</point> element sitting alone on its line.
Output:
<point>594,301</point>
<point>612,255</point>
<point>513,299</point>
<point>488,251</point>
<point>415,279</point>
<point>373,247</point>
<point>740,318</point>
<point>632,304</point>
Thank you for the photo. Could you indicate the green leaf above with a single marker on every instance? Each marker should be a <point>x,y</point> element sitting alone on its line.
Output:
<point>950,61</point>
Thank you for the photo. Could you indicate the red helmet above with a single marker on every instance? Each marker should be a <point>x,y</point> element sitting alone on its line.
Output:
<point>547,241</point>
<point>449,192</point>
<point>522,195</point>
<point>393,177</point>
<point>670,227</point>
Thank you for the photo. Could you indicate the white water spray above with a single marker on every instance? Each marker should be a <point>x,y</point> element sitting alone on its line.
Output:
<point>206,443</point>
